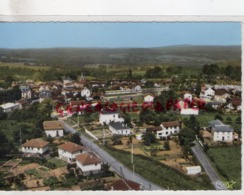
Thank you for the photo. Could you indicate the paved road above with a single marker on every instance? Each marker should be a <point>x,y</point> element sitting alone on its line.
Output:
<point>116,165</point>
<point>203,159</point>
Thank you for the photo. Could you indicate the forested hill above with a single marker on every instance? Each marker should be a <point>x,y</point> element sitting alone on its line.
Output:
<point>178,55</point>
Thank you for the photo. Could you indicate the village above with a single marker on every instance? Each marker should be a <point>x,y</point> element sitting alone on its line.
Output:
<point>144,117</point>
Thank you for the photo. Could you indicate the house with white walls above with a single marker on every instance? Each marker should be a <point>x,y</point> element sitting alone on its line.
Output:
<point>88,163</point>
<point>69,150</point>
<point>35,146</point>
<point>119,128</point>
<point>108,116</point>
<point>53,128</point>
<point>220,131</point>
<point>86,93</point>
<point>148,98</point>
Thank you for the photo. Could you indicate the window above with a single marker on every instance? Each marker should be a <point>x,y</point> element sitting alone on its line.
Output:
<point>166,132</point>
<point>114,116</point>
<point>175,131</point>
<point>160,134</point>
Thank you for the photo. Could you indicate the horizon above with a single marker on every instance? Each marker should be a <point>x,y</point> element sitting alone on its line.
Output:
<point>117,34</point>
<point>183,45</point>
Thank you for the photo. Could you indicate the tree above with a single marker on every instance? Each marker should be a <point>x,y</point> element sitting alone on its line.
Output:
<point>75,138</point>
<point>129,76</point>
<point>193,124</point>
<point>149,138</point>
<point>228,120</point>
<point>186,136</point>
<point>219,117</point>
<point>238,120</point>
<point>166,145</point>
<point>116,139</point>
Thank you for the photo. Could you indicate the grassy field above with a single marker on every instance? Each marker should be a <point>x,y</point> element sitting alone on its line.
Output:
<point>160,174</point>
<point>227,160</point>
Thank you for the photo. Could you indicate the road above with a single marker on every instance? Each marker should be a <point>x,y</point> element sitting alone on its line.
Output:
<point>114,164</point>
<point>203,159</point>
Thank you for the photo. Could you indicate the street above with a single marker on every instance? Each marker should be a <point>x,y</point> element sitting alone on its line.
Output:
<point>114,164</point>
<point>203,159</point>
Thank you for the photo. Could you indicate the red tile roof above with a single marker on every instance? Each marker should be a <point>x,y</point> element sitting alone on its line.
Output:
<point>124,185</point>
<point>87,159</point>
<point>71,147</point>
<point>52,125</point>
<point>35,143</point>
<point>171,124</point>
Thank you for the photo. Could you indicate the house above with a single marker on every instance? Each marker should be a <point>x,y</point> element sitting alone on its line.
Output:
<point>108,116</point>
<point>188,97</point>
<point>221,95</point>
<point>86,93</point>
<point>148,98</point>
<point>35,146</point>
<point>26,92</point>
<point>189,111</point>
<point>123,185</point>
<point>9,107</point>
<point>119,128</point>
<point>234,104</point>
<point>137,89</point>
<point>220,131</point>
<point>68,151</point>
<point>53,128</point>
<point>88,163</point>
<point>207,93</point>
<point>166,129</point>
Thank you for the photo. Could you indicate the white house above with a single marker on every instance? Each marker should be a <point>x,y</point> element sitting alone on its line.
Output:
<point>68,151</point>
<point>35,146</point>
<point>193,170</point>
<point>220,131</point>
<point>107,116</point>
<point>119,128</point>
<point>26,92</point>
<point>148,98</point>
<point>88,163</point>
<point>189,111</point>
<point>53,128</point>
<point>208,93</point>
<point>137,89</point>
<point>86,93</point>
<point>188,96</point>
<point>166,129</point>
<point>9,107</point>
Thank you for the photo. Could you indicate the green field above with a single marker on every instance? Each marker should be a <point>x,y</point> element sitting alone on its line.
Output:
<point>227,161</point>
<point>160,174</point>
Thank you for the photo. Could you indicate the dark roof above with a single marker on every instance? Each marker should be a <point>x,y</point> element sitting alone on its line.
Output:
<point>218,126</point>
<point>222,128</point>
<point>119,125</point>
<point>123,185</point>
<point>215,122</point>
<point>108,111</point>
<point>236,101</point>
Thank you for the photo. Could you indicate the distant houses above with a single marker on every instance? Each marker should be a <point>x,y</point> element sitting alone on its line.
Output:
<point>35,146</point>
<point>9,107</point>
<point>53,128</point>
<point>148,98</point>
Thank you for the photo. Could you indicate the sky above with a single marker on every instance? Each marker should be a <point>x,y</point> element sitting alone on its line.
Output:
<point>115,35</point>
